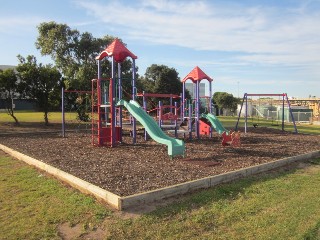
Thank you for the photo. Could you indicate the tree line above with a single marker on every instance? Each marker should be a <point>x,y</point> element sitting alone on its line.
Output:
<point>73,54</point>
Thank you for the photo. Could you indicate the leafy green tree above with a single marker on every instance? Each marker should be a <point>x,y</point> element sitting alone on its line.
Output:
<point>74,54</point>
<point>224,100</point>
<point>8,89</point>
<point>162,79</point>
<point>39,82</point>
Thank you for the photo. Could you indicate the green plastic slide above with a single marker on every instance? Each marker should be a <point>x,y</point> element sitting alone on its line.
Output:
<point>175,146</point>
<point>215,123</point>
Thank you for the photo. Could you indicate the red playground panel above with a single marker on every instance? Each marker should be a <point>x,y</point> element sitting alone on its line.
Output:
<point>105,135</point>
<point>204,127</point>
<point>232,139</point>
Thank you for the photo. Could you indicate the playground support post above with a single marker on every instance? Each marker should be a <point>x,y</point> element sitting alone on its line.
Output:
<point>112,102</point>
<point>183,102</point>
<point>282,124</point>
<point>197,109</point>
<point>171,104</point>
<point>98,103</point>
<point>134,123</point>
<point>120,97</point>
<point>291,113</point>
<point>210,104</point>
<point>210,97</point>
<point>144,102</point>
<point>244,96</point>
<point>160,113</point>
<point>246,115</point>
<point>181,107</point>
<point>190,121</point>
<point>176,121</point>
<point>63,114</point>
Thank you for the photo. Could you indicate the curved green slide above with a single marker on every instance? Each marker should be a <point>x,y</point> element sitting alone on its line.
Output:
<point>215,123</point>
<point>175,146</point>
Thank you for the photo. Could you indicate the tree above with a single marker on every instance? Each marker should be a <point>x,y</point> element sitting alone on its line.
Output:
<point>8,88</point>
<point>74,54</point>
<point>225,100</point>
<point>162,79</point>
<point>39,82</point>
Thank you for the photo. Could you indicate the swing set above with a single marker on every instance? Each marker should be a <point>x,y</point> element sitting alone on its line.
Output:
<point>245,105</point>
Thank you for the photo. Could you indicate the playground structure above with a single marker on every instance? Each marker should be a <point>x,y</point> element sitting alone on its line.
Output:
<point>231,138</point>
<point>107,105</point>
<point>165,113</point>
<point>175,146</point>
<point>182,117</point>
<point>245,106</point>
<point>204,122</point>
<point>196,76</point>
<point>170,118</point>
<point>105,94</point>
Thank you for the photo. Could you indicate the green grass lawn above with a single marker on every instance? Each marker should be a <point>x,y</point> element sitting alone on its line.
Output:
<point>33,205</point>
<point>228,122</point>
<point>28,116</point>
<point>278,205</point>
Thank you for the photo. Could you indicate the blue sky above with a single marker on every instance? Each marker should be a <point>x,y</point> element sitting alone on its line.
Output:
<point>245,46</point>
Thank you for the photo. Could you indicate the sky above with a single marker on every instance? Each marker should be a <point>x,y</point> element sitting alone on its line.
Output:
<point>247,46</point>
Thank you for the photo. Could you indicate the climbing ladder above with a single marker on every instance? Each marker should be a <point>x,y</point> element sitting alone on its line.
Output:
<point>102,121</point>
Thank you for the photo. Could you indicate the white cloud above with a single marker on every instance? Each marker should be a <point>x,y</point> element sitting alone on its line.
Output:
<point>270,35</point>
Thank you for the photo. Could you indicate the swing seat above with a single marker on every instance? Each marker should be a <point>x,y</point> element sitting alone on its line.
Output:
<point>231,139</point>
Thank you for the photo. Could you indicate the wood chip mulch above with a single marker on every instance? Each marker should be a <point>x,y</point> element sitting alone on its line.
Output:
<point>129,169</point>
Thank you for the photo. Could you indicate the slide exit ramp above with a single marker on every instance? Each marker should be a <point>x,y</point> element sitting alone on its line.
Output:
<point>175,146</point>
<point>215,123</point>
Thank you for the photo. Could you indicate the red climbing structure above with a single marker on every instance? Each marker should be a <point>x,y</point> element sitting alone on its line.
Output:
<point>106,117</point>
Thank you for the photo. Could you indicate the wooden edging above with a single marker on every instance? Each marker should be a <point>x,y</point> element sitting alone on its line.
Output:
<point>183,188</point>
<point>122,203</point>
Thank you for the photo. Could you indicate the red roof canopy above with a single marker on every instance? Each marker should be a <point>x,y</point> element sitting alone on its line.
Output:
<point>197,75</point>
<point>117,50</point>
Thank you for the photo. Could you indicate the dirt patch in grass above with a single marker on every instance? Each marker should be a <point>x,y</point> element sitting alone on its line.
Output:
<point>78,231</point>
<point>129,169</point>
